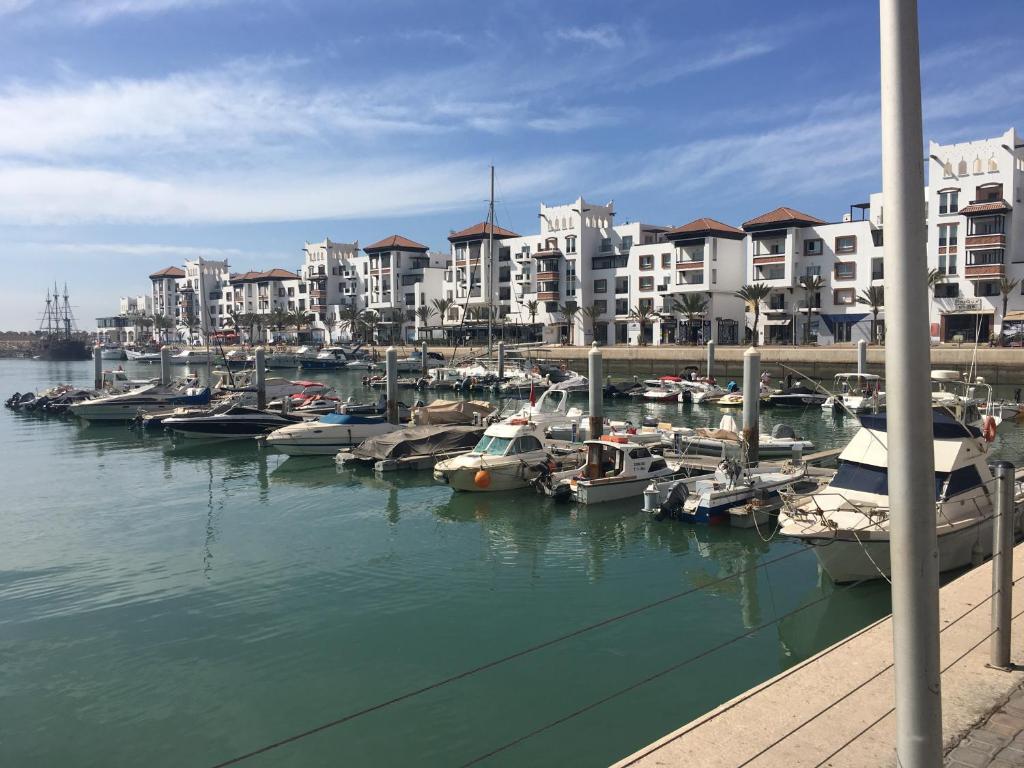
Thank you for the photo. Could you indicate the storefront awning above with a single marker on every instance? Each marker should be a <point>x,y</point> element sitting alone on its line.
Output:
<point>841,317</point>
<point>1016,316</point>
<point>970,312</point>
<point>777,321</point>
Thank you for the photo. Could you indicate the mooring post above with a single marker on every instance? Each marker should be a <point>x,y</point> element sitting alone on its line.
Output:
<point>711,359</point>
<point>751,403</point>
<point>260,362</point>
<point>97,367</point>
<point>391,369</point>
<point>423,358</point>
<point>913,541</point>
<point>595,375</point>
<point>165,365</point>
<point>1002,563</point>
<point>501,360</point>
<point>862,356</point>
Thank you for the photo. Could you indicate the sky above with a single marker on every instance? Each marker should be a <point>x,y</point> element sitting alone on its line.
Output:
<point>137,133</point>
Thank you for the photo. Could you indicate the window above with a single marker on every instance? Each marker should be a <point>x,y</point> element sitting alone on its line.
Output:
<point>986,288</point>
<point>845,270</point>
<point>987,225</point>
<point>606,245</point>
<point>646,262</point>
<point>947,290</point>
<point>647,304</point>
<point>627,242</point>
<point>846,244</point>
<point>813,271</point>
<point>570,244</point>
<point>949,201</point>
<point>601,307</point>
<point>813,247</point>
<point>621,306</point>
<point>600,286</point>
<point>844,296</point>
<point>714,276</point>
<point>877,268</point>
<point>948,234</point>
<point>622,285</point>
<point>777,301</point>
<point>988,193</point>
<point>666,260</point>
<point>647,283</point>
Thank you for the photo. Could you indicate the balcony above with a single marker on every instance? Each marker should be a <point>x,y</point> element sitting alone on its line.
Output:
<point>318,294</point>
<point>682,265</point>
<point>985,271</point>
<point>546,276</point>
<point>772,258</point>
<point>993,240</point>
<point>548,296</point>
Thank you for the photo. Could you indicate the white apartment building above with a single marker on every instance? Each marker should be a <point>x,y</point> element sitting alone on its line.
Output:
<point>330,272</point>
<point>391,270</point>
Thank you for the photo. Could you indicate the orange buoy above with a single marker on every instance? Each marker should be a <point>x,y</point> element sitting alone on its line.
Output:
<point>988,428</point>
<point>482,479</point>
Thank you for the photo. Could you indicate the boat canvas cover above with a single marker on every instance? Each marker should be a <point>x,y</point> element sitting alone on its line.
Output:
<point>451,412</point>
<point>419,441</point>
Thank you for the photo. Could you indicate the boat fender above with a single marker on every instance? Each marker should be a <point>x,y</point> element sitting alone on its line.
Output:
<point>988,428</point>
<point>482,479</point>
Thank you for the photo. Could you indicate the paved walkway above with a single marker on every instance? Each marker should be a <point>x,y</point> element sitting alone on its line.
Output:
<point>996,743</point>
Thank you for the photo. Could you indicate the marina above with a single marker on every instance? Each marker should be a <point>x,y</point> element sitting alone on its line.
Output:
<point>266,580</point>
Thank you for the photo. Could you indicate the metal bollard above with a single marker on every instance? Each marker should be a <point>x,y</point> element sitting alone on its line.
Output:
<point>1002,564</point>
<point>260,363</point>
<point>97,365</point>
<point>751,404</point>
<point>391,368</point>
<point>596,401</point>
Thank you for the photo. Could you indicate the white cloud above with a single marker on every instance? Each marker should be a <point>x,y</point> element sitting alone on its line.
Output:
<point>13,6</point>
<point>442,36</point>
<point>118,250</point>
<point>602,35</point>
<point>91,12</point>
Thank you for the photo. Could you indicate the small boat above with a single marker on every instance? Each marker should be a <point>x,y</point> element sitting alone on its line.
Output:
<point>126,406</point>
<point>328,434</point>
<point>856,393</point>
<point>797,396</point>
<point>703,391</point>
<point>665,392</point>
<point>574,383</point>
<point>142,357</point>
<point>615,469</point>
<point>233,422</point>
<point>847,522</point>
<point>192,357</point>
<point>783,442</point>
<point>509,456</point>
<point>327,359</point>
<point>416,447</point>
<point>709,498</point>
<point>969,403</point>
<point>110,352</point>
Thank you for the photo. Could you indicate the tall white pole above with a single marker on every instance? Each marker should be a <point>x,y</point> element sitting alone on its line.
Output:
<point>862,356</point>
<point>391,368</point>
<point>913,543</point>
<point>595,373</point>
<point>752,404</point>
<point>711,359</point>
<point>490,268</point>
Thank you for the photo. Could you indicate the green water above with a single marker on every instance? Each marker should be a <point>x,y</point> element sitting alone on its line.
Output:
<point>166,606</point>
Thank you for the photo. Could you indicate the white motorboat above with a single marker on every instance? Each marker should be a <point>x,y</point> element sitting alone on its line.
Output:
<point>968,402</point>
<point>276,387</point>
<point>702,391</point>
<point>142,357</point>
<point>233,422</point>
<point>509,455</point>
<point>847,522</point>
<point>551,409</point>
<point>781,443</point>
<point>328,434</point>
<point>126,406</point>
<point>709,498</point>
<point>579,431</point>
<point>856,393</point>
<point>664,392</point>
<point>798,396</point>
<point>110,352</point>
<point>615,469</point>
<point>575,383</point>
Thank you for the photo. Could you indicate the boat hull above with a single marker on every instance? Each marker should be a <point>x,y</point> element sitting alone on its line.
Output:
<point>128,410</point>
<point>316,439</point>
<point>599,493</point>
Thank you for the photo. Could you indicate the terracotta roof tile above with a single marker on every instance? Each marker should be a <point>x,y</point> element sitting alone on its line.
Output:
<point>271,274</point>
<point>995,205</point>
<point>169,272</point>
<point>395,243</point>
<point>704,226</point>
<point>480,231</point>
<point>782,216</point>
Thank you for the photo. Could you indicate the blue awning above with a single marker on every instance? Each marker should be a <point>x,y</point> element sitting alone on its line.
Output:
<point>843,317</point>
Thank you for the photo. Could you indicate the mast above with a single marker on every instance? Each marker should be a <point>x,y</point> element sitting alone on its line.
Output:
<point>490,268</point>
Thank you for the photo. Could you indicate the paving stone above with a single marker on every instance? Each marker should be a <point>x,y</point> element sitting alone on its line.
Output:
<point>969,756</point>
<point>983,736</point>
<point>1004,718</point>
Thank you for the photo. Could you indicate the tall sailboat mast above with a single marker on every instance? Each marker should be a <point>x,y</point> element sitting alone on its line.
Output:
<point>490,268</point>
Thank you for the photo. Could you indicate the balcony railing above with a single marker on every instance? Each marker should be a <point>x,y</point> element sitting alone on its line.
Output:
<point>985,271</point>
<point>548,276</point>
<point>548,296</point>
<point>689,265</point>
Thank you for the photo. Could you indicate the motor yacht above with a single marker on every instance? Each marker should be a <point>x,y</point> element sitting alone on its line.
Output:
<point>125,406</point>
<point>233,422</point>
<point>797,396</point>
<point>615,469</point>
<point>783,442</point>
<point>855,393</point>
<point>509,456</point>
<point>848,521</point>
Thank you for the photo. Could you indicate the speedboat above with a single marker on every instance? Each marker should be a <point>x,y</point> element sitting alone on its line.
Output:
<point>276,387</point>
<point>797,396</point>
<point>328,434</point>
<point>231,423</point>
<point>848,521</point>
<point>192,357</point>
<point>574,383</point>
<point>783,442</point>
<point>110,352</point>
<point>703,391</point>
<point>509,455</point>
<point>126,406</point>
<point>142,357</point>
<point>615,469</point>
<point>664,392</point>
<point>856,393</point>
<point>969,403</point>
<point>709,498</point>
<point>551,409</point>
<point>327,359</point>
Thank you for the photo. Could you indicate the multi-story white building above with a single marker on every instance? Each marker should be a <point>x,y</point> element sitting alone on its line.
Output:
<point>392,269</point>
<point>165,291</point>
<point>331,280</point>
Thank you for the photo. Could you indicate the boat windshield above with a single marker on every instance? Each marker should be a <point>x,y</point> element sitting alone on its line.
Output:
<point>492,446</point>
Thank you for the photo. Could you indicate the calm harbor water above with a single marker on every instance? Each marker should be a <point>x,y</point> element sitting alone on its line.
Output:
<point>179,606</point>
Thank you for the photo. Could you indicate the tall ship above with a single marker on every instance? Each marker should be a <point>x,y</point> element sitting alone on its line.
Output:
<point>59,339</point>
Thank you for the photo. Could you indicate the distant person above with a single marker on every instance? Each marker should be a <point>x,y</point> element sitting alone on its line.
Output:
<point>732,386</point>
<point>1016,395</point>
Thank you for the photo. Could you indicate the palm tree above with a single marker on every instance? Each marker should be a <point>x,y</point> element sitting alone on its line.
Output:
<point>935,276</point>
<point>1006,287</point>
<point>643,314</point>
<point>348,319</point>
<point>693,305</point>
<point>423,313</point>
<point>162,324</point>
<point>145,321</point>
<point>752,295</point>
<point>873,297</point>
<point>279,319</point>
<point>369,319</point>
<point>568,313</point>
<point>299,319</point>
<point>238,321</point>
<point>593,313</point>
<point>811,285</point>
<point>190,322</point>
<point>257,322</point>
<point>443,306</point>
<point>532,308</point>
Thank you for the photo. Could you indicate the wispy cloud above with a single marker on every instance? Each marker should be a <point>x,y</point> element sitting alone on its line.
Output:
<point>98,11</point>
<point>442,36</point>
<point>603,36</point>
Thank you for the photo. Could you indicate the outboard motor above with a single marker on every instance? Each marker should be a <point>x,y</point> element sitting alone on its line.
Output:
<point>783,432</point>
<point>672,507</point>
<point>649,421</point>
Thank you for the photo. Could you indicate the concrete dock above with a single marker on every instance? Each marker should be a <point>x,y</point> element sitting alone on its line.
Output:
<point>836,708</point>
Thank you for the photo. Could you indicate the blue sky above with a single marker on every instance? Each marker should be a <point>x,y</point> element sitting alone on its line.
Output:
<point>137,133</point>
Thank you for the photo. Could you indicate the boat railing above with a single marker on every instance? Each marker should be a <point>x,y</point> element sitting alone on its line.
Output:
<point>795,505</point>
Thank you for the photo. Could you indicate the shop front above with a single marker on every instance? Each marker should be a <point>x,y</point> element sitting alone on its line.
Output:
<point>968,322</point>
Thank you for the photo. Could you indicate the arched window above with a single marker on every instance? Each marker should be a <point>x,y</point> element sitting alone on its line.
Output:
<point>993,166</point>
<point>947,169</point>
<point>961,168</point>
<point>977,165</point>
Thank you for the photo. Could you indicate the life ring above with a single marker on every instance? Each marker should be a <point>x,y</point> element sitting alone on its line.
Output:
<point>988,428</point>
